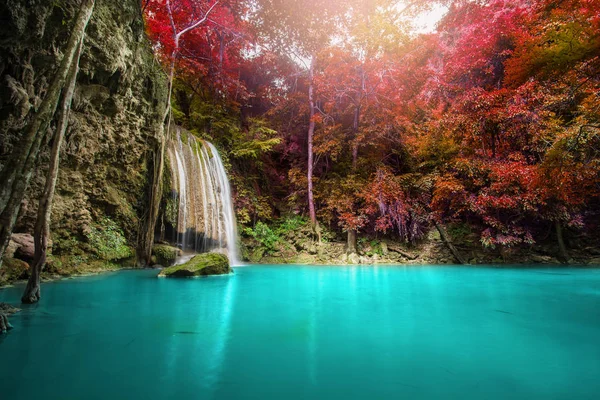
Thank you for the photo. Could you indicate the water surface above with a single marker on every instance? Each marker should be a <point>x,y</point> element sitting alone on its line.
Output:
<point>291,332</point>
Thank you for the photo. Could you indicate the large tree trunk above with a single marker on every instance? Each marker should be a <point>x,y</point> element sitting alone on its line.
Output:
<point>448,242</point>
<point>311,133</point>
<point>562,248</point>
<point>42,224</point>
<point>17,173</point>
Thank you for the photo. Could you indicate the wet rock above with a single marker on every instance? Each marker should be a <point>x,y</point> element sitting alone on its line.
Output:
<point>200,265</point>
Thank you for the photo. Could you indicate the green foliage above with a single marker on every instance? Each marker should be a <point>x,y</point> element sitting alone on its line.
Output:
<point>270,238</point>
<point>107,241</point>
<point>291,224</point>
<point>264,235</point>
<point>259,140</point>
<point>370,247</point>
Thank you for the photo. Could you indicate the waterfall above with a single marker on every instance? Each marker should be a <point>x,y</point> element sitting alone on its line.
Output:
<point>205,215</point>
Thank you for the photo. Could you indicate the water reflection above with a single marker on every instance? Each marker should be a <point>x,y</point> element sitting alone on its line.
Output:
<point>311,332</point>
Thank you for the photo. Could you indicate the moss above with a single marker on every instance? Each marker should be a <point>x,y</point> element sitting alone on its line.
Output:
<point>68,265</point>
<point>108,242</point>
<point>12,270</point>
<point>165,255</point>
<point>171,210</point>
<point>202,264</point>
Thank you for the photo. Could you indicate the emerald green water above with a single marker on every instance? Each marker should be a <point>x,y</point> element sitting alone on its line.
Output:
<point>291,332</point>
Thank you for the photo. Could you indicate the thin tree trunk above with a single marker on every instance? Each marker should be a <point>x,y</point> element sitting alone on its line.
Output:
<point>563,253</point>
<point>311,132</point>
<point>351,245</point>
<point>147,237</point>
<point>42,224</point>
<point>16,176</point>
<point>448,243</point>
<point>352,234</point>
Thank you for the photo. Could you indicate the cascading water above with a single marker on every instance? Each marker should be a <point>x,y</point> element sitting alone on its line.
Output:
<point>205,217</point>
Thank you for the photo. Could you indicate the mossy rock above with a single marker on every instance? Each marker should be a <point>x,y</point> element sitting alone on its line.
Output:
<point>200,265</point>
<point>165,254</point>
<point>13,269</point>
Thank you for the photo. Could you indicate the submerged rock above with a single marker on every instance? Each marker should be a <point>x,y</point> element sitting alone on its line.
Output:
<point>5,311</point>
<point>200,265</point>
<point>165,254</point>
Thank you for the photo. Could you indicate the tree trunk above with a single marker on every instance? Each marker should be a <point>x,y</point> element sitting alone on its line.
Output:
<point>562,248</point>
<point>351,245</point>
<point>42,224</point>
<point>352,234</point>
<point>15,178</point>
<point>311,132</point>
<point>147,232</point>
<point>448,243</point>
<point>354,143</point>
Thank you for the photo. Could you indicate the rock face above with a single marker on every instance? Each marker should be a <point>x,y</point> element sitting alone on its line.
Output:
<point>165,255</point>
<point>112,135</point>
<point>200,265</point>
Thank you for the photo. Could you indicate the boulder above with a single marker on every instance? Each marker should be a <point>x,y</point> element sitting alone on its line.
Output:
<point>200,265</point>
<point>353,258</point>
<point>165,254</point>
<point>384,249</point>
<point>24,246</point>
<point>541,259</point>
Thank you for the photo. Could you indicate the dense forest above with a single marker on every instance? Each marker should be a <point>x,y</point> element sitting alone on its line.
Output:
<point>355,117</point>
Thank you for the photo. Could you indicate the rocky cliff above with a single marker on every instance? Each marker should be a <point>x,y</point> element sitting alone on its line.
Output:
<point>106,159</point>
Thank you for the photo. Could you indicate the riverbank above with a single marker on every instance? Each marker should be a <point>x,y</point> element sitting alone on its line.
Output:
<point>299,246</point>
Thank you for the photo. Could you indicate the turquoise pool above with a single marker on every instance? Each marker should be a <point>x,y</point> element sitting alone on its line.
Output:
<point>307,332</point>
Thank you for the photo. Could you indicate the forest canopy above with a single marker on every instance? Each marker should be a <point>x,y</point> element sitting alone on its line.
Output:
<point>354,115</point>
